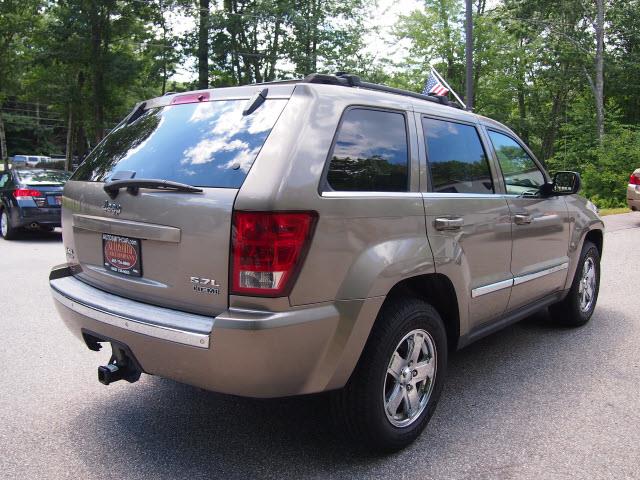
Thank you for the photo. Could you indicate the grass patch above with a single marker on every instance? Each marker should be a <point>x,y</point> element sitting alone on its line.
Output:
<point>613,211</point>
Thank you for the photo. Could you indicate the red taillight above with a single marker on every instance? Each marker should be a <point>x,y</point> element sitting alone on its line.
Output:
<point>267,249</point>
<point>26,192</point>
<point>633,180</point>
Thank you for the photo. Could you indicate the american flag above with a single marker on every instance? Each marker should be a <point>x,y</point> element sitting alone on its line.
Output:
<point>433,85</point>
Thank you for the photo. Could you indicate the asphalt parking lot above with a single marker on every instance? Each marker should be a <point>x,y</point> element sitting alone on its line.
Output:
<point>532,401</point>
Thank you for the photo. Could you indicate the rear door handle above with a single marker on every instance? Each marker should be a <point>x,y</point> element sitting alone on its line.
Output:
<point>522,219</point>
<point>453,223</point>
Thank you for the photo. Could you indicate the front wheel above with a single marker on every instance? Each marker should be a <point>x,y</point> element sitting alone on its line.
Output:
<point>395,387</point>
<point>578,306</point>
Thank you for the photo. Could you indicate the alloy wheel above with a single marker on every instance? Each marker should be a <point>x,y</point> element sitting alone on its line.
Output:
<point>409,378</point>
<point>4,224</point>
<point>587,286</point>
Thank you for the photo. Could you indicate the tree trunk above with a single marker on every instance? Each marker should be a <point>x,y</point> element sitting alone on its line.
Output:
<point>230,7</point>
<point>257,75</point>
<point>549,137</point>
<point>314,36</point>
<point>599,87</point>
<point>163,25</point>
<point>68,162</point>
<point>522,111</point>
<point>97,50</point>
<point>203,45</point>
<point>469,55</point>
<point>270,69</point>
<point>522,106</point>
<point>307,38</point>
<point>3,144</point>
<point>164,76</point>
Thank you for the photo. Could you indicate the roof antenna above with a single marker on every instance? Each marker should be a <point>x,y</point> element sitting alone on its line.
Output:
<point>137,113</point>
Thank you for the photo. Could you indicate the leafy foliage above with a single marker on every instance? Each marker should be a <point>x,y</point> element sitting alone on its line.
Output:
<point>535,70</point>
<point>70,69</point>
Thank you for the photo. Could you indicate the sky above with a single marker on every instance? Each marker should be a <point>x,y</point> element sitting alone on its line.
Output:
<point>379,42</point>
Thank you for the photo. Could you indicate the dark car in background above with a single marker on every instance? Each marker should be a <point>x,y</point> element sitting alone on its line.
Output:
<point>30,199</point>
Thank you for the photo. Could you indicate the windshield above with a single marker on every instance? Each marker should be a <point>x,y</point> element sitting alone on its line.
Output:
<point>34,177</point>
<point>209,144</point>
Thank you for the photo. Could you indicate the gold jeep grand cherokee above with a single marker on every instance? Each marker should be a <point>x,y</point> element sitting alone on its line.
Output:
<point>314,235</point>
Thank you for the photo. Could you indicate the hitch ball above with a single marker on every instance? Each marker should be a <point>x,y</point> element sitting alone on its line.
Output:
<point>109,373</point>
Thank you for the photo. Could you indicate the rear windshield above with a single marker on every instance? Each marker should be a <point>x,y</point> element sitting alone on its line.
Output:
<point>35,177</point>
<point>209,144</point>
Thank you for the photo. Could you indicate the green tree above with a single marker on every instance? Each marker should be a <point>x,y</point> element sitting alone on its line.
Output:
<point>437,39</point>
<point>18,18</point>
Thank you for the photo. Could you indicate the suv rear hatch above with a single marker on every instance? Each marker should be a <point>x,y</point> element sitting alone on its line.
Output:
<point>168,247</point>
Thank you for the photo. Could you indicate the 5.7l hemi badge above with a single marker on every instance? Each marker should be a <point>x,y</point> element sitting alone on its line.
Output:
<point>205,285</point>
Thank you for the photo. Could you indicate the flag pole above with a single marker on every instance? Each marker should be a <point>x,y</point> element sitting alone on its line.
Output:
<point>444,82</point>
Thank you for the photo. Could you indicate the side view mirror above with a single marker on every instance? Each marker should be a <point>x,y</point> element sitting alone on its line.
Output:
<point>564,183</point>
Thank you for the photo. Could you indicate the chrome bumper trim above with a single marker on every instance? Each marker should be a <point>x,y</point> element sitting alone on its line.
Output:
<point>110,309</point>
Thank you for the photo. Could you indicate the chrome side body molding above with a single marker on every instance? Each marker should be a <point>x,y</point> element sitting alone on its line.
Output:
<point>494,287</point>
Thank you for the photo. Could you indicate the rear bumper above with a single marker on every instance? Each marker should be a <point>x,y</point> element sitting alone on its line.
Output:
<point>242,352</point>
<point>25,216</point>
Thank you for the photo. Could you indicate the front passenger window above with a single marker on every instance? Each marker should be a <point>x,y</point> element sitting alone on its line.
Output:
<point>521,174</point>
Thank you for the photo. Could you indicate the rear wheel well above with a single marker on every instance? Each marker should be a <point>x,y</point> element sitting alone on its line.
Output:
<point>437,290</point>
<point>595,237</point>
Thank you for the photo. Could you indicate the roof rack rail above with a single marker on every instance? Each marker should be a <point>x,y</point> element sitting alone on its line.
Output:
<point>348,80</point>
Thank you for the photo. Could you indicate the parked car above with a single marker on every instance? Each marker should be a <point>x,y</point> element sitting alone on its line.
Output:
<point>30,160</point>
<point>31,199</point>
<point>317,235</point>
<point>633,191</point>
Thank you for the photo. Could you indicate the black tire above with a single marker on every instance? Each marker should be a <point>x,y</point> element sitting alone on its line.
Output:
<point>360,404</point>
<point>10,232</point>
<point>569,311</point>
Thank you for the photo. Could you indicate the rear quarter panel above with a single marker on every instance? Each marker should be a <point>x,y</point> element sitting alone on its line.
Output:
<point>362,244</point>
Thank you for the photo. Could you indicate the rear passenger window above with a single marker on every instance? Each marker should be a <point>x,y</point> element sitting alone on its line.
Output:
<point>457,161</point>
<point>371,153</point>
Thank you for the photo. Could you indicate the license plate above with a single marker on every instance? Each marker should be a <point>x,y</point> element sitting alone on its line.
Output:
<point>122,255</point>
<point>54,200</point>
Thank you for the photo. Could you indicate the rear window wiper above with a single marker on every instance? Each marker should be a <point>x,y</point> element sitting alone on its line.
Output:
<point>134,184</point>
